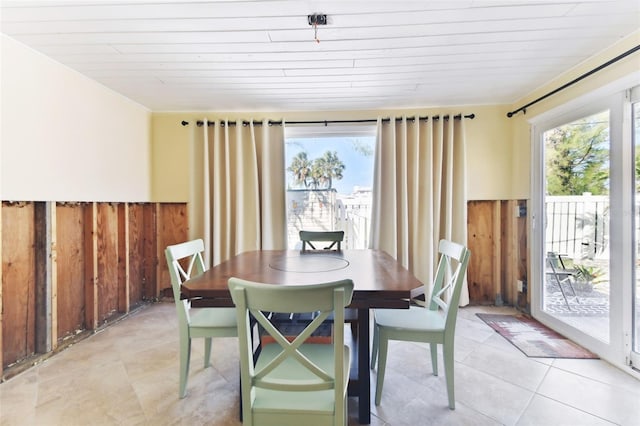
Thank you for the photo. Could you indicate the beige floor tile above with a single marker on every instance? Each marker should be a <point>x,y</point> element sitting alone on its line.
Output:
<point>473,329</point>
<point>127,374</point>
<point>545,411</point>
<point>601,371</point>
<point>599,399</point>
<point>490,395</point>
<point>512,367</point>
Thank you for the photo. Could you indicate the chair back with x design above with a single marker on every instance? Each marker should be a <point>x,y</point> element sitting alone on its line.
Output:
<point>292,380</point>
<point>447,284</point>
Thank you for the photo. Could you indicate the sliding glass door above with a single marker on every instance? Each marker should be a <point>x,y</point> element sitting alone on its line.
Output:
<point>576,228</point>
<point>635,353</point>
<point>585,223</point>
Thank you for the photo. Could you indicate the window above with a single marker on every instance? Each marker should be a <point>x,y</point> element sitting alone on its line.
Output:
<point>329,178</point>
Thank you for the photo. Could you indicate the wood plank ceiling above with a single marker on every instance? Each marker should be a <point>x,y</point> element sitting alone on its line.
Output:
<point>262,56</point>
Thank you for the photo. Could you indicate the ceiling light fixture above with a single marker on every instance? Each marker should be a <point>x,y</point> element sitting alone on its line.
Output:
<point>315,20</point>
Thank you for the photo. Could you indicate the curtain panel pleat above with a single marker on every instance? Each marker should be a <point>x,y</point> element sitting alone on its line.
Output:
<point>419,191</point>
<point>238,197</point>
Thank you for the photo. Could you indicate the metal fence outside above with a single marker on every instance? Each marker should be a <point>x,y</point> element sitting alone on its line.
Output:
<point>578,226</point>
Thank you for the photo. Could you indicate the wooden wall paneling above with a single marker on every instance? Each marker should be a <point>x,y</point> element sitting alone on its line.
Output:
<point>136,253</point>
<point>52,243</point>
<point>107,230</point>
<point>91,266</point>
<point>70,266</point>
<point>496,246</point>
<point>508,226</point>
<point>18,282</point>
<point>164,234</point>
<point>45,273</point>
<point>480,277</point>
<point>124,298</point>
<point>173,227</point>
<point>150,247</point>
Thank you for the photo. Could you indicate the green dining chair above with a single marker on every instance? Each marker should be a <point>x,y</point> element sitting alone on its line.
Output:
<point>434,324</point>
<point>292,382</point>
<point>333,237</point>
<point>185,261</point>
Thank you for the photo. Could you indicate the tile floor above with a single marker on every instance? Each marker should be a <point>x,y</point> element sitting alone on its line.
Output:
<point>127,374</point>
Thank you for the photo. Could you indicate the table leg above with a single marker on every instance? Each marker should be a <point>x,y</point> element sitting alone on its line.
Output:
<point>364,378</point>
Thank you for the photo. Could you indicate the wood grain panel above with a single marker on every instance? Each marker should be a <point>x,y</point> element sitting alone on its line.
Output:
<point>150,262</point>
<point>46,276</point>
<point>123,258</point>
<point>88,245</point>
<point>70,266</point>
<point>107,240</point>
<point>480,274</point>
<point>507,275</point>
<point>137,237</point>
<point>173,227</point>
<point>18,282</point>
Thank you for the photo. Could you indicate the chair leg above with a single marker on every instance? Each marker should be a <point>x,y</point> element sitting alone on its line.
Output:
<point>346,410</point>
<point>341,412</point>
<point>434,358</point>
<point>447,349</point>
<point>207,352</point>
<point>374,348</point>
<point>382,365</point>
<point>185,358</point>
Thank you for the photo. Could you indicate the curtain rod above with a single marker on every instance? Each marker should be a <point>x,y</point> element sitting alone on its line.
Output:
<point>575,80</point>
<point>327,122</point>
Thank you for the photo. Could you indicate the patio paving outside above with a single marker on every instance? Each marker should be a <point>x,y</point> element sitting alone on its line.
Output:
<point>587,310</point>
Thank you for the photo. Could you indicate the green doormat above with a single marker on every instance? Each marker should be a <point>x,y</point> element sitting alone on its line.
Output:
<point>534,339</point>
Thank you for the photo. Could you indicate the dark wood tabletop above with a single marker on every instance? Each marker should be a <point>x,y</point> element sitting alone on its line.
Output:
<point>380,281</point>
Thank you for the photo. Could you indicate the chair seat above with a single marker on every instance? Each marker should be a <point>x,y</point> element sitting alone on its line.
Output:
<point>213,317</point>
<point>415,318</point>
<point>316,402</point>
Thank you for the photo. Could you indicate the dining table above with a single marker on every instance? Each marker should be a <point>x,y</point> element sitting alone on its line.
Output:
<point>380,281</point>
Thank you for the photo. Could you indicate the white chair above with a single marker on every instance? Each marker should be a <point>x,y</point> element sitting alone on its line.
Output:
<point>199,322</point>
<point>434,324</point>
<point>292,382</point>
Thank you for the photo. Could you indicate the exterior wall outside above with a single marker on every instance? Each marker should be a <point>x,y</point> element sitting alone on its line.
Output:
<point>66,137</point>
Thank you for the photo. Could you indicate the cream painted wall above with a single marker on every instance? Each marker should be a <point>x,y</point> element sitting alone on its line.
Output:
<point>66,137</point>
<point>488,146</point>
<point>170,156</point>
<point>520,127</point>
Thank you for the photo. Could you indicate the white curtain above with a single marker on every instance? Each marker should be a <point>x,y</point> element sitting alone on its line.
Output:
<point>419,191</point>
<point>238,196</point>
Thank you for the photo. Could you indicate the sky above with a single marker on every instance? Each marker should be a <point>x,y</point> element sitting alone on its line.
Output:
<point>358,167</point>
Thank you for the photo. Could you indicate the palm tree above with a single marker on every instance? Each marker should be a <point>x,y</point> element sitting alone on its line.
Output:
<point>327,168</point>
<point>301,168</point>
